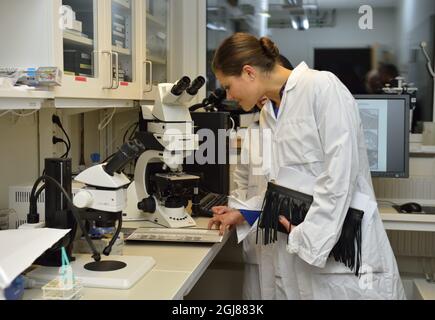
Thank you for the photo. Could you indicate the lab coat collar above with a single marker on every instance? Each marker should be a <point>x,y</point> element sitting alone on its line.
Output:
<point>291,83</point>
<point>295,75</point>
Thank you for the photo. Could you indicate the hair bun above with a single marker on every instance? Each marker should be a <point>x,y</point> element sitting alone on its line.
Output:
<point>269,48</point>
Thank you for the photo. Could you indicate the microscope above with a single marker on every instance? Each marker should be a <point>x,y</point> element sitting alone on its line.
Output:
<point>160,195</point>
<point>100,202</point>
<point>161,190</point>
<point>404,88</point>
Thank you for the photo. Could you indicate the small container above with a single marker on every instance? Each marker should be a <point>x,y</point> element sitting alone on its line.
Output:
<point>56,290</point>
<point>95,158</point>
<point>16,290</point>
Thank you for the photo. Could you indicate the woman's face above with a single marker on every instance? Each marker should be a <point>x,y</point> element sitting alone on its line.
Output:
<point>245,89</point>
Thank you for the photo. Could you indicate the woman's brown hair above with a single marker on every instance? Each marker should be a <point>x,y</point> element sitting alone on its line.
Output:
<point>242,49</point>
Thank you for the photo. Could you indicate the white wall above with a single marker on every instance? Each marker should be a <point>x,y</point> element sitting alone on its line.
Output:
<point>299,46</point>
<point>19,152</point>
<point>188,41</point>
<point>415,26</point>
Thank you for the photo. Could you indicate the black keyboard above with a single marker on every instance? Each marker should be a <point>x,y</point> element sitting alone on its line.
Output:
<point>211,200</point>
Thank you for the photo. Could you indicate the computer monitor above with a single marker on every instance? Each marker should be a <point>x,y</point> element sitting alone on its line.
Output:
<point>385,120</point>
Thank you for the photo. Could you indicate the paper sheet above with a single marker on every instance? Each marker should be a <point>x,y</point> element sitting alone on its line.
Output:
<point>20,248</point>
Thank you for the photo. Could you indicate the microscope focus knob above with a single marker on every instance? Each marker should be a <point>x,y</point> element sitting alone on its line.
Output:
<point>147,205</point>
<point>82,199</point>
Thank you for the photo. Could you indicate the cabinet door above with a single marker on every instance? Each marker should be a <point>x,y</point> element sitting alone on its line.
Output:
<point>82,51</point>
<point>124,23</point>
<point>157,39</point>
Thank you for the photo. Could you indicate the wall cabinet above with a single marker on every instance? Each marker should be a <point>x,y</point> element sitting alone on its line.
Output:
<point>100,54</point>
<point>99,44</point>
<point>108,49</point>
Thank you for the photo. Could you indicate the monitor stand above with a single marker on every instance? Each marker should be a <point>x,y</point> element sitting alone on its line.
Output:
<point>125,278</point>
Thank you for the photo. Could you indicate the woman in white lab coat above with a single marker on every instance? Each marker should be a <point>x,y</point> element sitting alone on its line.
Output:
<point>250,182</point>
<point>315,128</point>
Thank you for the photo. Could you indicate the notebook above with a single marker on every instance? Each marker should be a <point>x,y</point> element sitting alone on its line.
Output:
<point>174,235</point>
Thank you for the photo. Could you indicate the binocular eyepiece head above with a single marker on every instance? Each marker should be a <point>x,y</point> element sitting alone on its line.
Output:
<point>196,85</point>
<point>180,86</point>
<point>191,88</point>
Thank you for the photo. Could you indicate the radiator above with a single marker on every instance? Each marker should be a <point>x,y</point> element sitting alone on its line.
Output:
<point>414,188</point>
<point>19,197</point>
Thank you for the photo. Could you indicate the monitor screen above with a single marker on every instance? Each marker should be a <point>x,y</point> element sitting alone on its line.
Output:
<point>385,120</point>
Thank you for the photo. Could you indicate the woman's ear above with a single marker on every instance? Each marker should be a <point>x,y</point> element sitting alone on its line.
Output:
<point>250,71</point>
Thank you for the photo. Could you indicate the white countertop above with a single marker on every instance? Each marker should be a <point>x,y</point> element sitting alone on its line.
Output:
<point>406,222</point>
<point>178,267</point>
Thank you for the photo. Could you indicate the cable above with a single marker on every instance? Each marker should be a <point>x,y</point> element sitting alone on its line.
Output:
<point>67,137</point>
<point>134,131</point>
<point>57,140</point>
<point>4,113</point>
<point>106,120</point>
<point>56,120</point>
<point>136,124</point>
<point>96,256</point>
<point>23,114</point>
<point>386,201</point>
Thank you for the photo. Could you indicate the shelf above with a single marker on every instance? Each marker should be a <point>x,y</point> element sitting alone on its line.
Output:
<point>155,21</point>
<point>75,39</point>
<point>15,98</point>
<point>120,50</point>
<point>156,59</point>
<point>31,94</point>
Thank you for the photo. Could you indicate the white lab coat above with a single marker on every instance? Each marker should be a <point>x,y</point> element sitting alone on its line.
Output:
<point>318,132</point>
<point>250,182</point>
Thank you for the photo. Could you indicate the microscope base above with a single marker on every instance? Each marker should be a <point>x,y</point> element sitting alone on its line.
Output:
<point>125,278</point>
<point>166,218</point>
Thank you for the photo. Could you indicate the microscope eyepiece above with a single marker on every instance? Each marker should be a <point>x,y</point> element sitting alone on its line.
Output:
<point>196,85</point>
<point>180,86</point>
<point>127,152</point>
<point>218,95</point>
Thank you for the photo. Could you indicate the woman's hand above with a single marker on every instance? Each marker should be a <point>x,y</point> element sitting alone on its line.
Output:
<point>225,218</point>
<point>220,210</point>
<point>286,224</point>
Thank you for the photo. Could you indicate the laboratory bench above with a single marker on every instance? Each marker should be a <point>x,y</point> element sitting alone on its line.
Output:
<point>406,221</point>
<point>178,268</point>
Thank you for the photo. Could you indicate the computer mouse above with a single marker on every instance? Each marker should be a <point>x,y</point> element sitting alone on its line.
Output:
<point>410,207</point>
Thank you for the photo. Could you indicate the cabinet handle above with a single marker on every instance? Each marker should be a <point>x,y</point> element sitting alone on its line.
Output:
<point>111,71</point>
<point>149,88</point>
<point>116,85</point>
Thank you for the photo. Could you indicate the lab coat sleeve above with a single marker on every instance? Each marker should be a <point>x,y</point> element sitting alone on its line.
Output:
<point>241,180</point>
<point>334,111</point>
<point>241,175</point>
<point>252,204</point>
